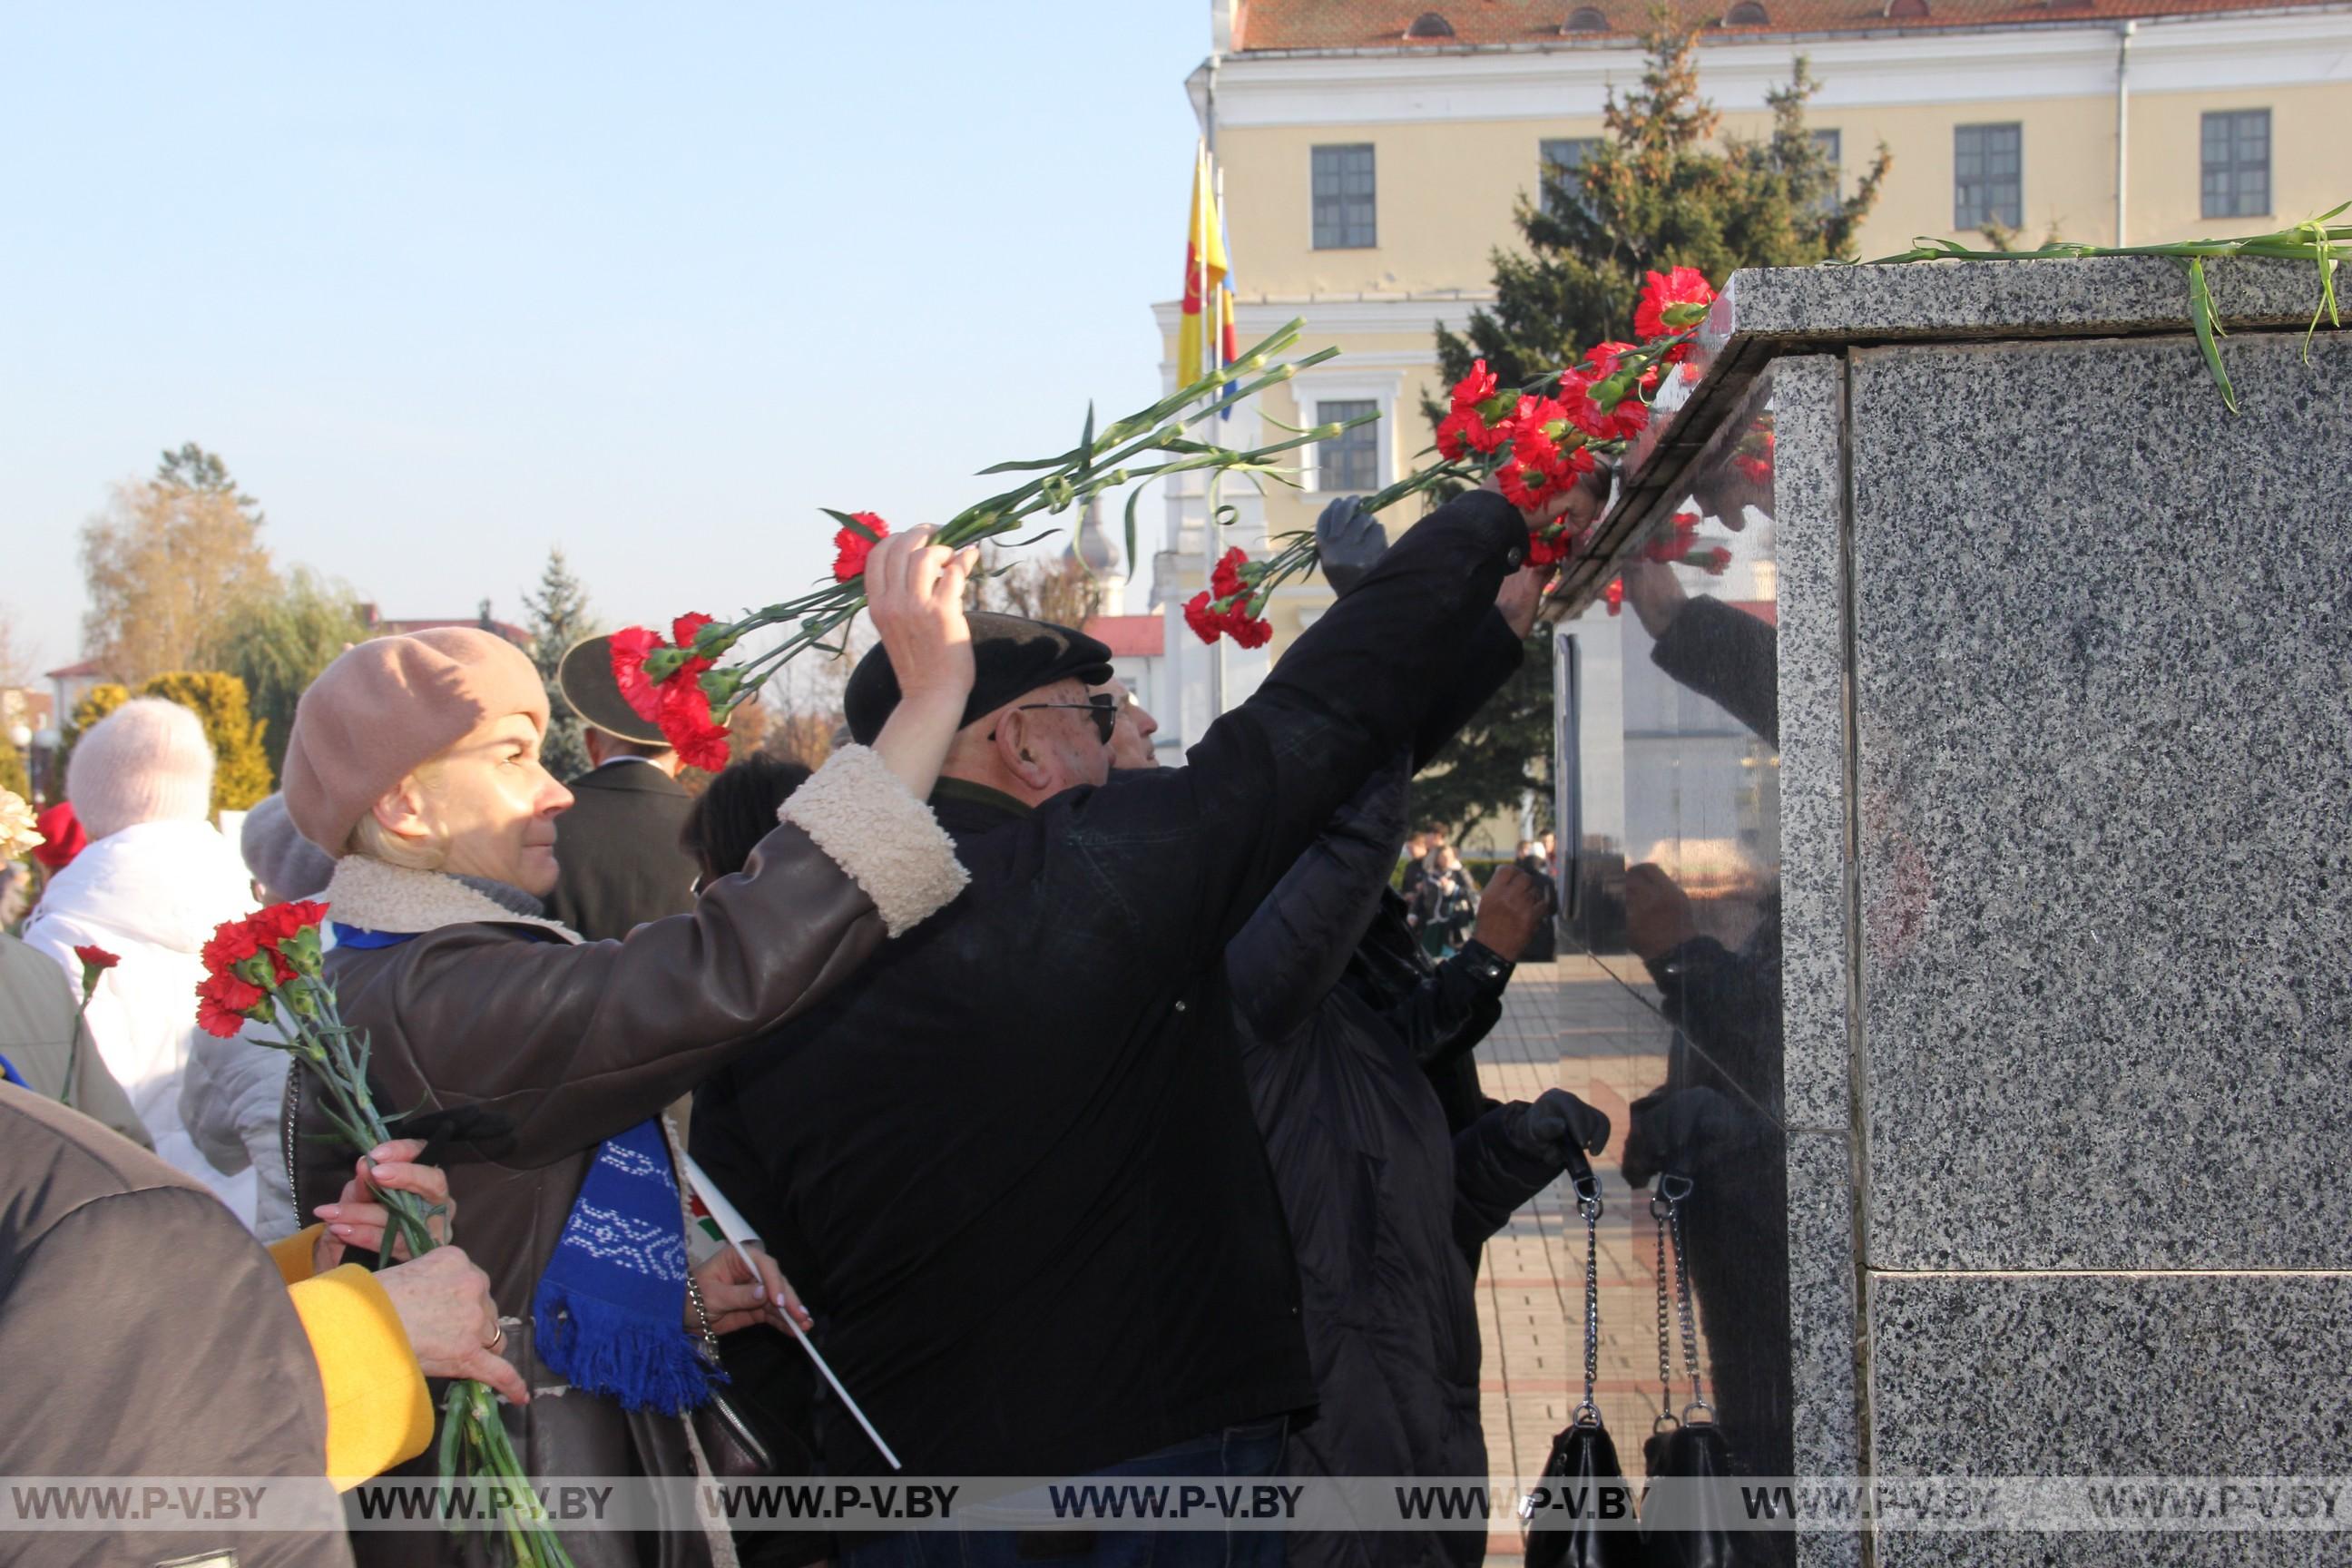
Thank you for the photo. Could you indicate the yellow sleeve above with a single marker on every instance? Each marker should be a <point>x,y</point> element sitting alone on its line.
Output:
<point>378,1412</point>
<point>293,1254</point>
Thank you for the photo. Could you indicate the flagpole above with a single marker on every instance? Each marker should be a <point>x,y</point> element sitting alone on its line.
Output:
<point>1204,212</point>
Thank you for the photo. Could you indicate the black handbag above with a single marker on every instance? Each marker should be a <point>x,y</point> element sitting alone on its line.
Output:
<point>1684,1521</point>
<point>1581,1513</point>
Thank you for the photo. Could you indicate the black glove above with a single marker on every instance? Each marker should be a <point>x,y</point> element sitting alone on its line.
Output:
<point>1684,1132</point>
<point>1557,1119</point>
<point>1348,539</point>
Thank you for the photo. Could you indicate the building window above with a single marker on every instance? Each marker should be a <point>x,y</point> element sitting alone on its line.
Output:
<point>1586,19</point>
<point>1429,25</point>
<point>2238,163</point>
<point>1988,175</point>
<point>1349,463</point>
<point>1343,198</point>
<point>1747,14</point>
<point>1558,158</point>
<point>1830,146</point>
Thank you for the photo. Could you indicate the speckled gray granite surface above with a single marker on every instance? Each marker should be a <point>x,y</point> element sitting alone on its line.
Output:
<point>2107,1374</point>
<point>1957,299</point>
<point>2105,730</point>
<point>1808,414</point>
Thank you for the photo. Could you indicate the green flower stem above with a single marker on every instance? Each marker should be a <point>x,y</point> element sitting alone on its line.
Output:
<point>473,1431</point>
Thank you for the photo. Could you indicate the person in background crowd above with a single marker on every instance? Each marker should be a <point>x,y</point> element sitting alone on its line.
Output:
<point>232,1097</point>
<point>618,863</point>
<point>541,1063</point>
<point>42,1039</point>
<point>1416,869</point>
<point>1098,1278</point>
<point>1448,903</point>
<point>152,887</point>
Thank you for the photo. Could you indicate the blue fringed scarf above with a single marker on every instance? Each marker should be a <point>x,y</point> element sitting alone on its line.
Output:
<point>609,1314</point>
<point>610,1311</point>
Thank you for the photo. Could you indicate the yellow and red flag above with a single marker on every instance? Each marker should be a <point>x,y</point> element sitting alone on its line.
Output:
<point>1208,312</point>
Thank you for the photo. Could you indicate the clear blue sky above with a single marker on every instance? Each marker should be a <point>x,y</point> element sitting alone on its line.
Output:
<point>445,285</point>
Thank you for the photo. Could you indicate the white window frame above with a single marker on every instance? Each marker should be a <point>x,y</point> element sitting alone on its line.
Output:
<point>1382,390</point>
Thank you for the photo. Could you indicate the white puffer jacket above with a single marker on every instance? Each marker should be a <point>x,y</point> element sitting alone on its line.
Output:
<point>151,894</point>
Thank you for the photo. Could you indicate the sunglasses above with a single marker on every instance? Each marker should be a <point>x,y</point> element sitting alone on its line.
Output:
<point>1103,706</point>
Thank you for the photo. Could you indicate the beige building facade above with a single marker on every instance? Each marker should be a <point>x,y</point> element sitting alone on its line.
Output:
<point>2092,119</point>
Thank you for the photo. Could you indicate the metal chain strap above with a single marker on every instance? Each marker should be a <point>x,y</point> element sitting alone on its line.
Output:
<point>1675,1189</point>
<point>1659,1211</point>
<point>1587,1202</point>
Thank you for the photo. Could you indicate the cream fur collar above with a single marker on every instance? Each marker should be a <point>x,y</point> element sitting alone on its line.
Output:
<point>379,897</point>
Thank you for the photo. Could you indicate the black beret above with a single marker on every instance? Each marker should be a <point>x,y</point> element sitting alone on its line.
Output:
<point>1011,657</point>
<point>584,675</point>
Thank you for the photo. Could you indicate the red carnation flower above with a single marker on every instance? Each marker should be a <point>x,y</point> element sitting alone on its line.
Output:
<point>1474,388</point>
<point>224,1003</point>
<point>1614,597</point>
<point>1604,359</point>
<point>1247,632</point>
<point>1206,624</point>
<point>92,956</point>
<point>63,835</point>
<point>1225,580</point>
<point>1460,432</point>
<point>851,548</point>
<point>1714,563</point>
<point>630,648</point>
<point>683,630</point>
<point>1674,302</point>
<point>232,942</point>
<point>685,724</point>
<point>1547,550</point>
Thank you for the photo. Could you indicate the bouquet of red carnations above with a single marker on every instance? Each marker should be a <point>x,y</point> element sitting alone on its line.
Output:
<point>1536,441</point>
<point>267,969</point>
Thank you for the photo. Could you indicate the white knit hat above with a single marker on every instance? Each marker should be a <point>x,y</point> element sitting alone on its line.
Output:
<point>148,760</point>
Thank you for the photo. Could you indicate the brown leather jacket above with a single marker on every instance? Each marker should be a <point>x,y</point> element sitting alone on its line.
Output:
<point>523,1049</point>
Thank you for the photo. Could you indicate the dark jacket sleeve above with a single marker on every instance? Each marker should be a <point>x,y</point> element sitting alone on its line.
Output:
<point>546,1048</point>
<point>1496,1168</point>
<point>1728,656</point>
<point>1295,947</point>
<point>1211,839</point>
<point>1491,657</point>
<point>1447,1013</point>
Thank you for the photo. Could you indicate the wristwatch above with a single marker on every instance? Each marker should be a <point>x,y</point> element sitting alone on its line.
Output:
<point>1483,964</point>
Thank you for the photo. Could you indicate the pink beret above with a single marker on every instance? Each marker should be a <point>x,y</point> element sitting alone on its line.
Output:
<point>386,706</point>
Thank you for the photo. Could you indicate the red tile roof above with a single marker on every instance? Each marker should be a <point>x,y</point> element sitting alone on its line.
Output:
<point>86,669</point>
<point>1269,24</point>
<point>1130,636</point>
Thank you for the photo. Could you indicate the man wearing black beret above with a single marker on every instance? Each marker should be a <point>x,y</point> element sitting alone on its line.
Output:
<point>1011,1164</point>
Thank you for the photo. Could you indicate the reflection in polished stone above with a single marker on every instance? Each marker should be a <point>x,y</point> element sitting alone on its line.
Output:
<point>1670,807</point>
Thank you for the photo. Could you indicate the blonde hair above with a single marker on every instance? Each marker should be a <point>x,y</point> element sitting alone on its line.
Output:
<point>370,839</point>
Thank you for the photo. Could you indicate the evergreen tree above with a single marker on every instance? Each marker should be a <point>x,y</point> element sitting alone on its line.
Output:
<point>1660,190</point>
<point>559,618</point>
<point>277,643</point>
